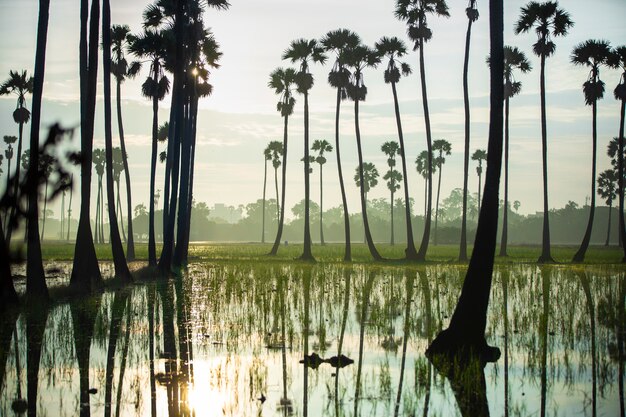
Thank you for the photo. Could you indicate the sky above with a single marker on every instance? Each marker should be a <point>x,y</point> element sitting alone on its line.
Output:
<point>240,118</point>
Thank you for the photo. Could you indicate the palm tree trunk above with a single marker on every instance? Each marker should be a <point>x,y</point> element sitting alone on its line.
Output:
<point>466,331</point>
<point>276,186</point>
<point>69,210</point>
<point>480,188</point>
<point>279,231</point>
<point>119,259</point>
<point>17,175</point>
<point>8,296</point>
<point>192,163</point>
<point>421,254</point>
<point>153,159</point>
<point>62,225</point>
<point>321,208</point>
<point>35,276</point>
<point>263,219</point>
<point>35,328</point>
<point>392,240</point>
<point>119,302</point>
<point>366,225</point>
<point>183,209</point>
<point>97,223</point>
<point>119,209</point>
<point>505,218</point>
<point>580,254</point>
<point>608,230</point>
<point>545,257</point>
<point>620,179</point>
<point>466,104</point>
<point>130,243</point>
<point>102,211</point>
<point>8,212</point>
<point>86,275</point>
<point>306,254</point>
<point>347,257</point>
<point>410,252</point>
<point>437,203</point>
<point>45,206</point>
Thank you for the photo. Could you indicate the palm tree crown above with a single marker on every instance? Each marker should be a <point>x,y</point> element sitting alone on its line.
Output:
<point>304,51</point>
<point>607,185</point>
<point>393,48</point>
<point>19,84</point>
<point>415,12</point>
<point>281,81</point>
<point>339,41</point>
<point>358,58</point>
<point>513,59</point>
<point>617,59</point>
<point>592,53</point>
<point>120,68</point>
<point>479,156</point>
<point>370,176</point>
<point>548,20</point>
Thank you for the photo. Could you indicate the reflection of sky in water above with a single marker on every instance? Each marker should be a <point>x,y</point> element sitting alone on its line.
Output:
<point>232,314</point>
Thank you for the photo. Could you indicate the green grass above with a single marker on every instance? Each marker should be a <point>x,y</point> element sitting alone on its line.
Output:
<point>256,252</point>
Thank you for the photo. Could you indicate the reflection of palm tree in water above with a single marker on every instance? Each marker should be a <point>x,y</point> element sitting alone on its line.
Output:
<point>285,403</point>
<point>429,334</point>
<point>407,320</point>
<point>346,304</point>
<point>505,315</point>
<point>584,281</point>
<point>543,331</point>
<point>370,275</point>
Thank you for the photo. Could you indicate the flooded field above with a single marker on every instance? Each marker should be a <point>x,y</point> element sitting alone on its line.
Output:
<point>323,340</point>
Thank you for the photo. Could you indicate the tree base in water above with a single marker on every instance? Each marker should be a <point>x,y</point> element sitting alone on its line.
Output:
<point>452,347</point>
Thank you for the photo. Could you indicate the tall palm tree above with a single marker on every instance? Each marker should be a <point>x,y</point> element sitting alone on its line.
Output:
<point>321,147</point>
<point>513,59</point>
<point>393,177</point>
<point>282,81</point>
<point>472,15</point>
<point>479,156</point>
<point>358,58</point>
<point>338,41</point>
<point>45,170</point>
<point>118,168</point>
<point>19,84</point>
<point>122,70</point>
<point>591,53</point>
<point>98,161</point>
<point>35,276</point>
<point>370,177</point>
<point>8,153</point>
<point>618,60</point>
<point>415,13</point>
<point>267,156</point>
<point>152,45</point>
<point>607,189</point>
<point>305,52</point>
<point>422,165</point>
<point>119,258</point>
<point>393,49</point>
<point>444,148</point>
<point>548,20</point>
<point>276,150</point>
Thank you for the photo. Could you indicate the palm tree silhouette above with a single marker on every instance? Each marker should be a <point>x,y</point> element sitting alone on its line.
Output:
<point>607,189</point>
<point>121,70</point>
<point>19,84</point>
<point>267,156</point>
<point>152,45</point>
<point>276,151</point>
<point>393,48</point>
<point>370,175</point>
<point>339,41</point>
<point>591,53</point>
<point>281,81</point>
<point>393,177</point>
<point>548,21</point>
<point>304,52</point>
<point>321,147</point>
<point>8,153</point>
<point>358,58</point>
<point>479,156</point>
<point>414,13</point>
<point>444,148</point>
<point>98,161</point>
<point>618,60</point>
<point>45,169</point>
<point>516,205</point>
<point>472,15</point>
<point>118,168</point>
<point>421,165</point>
<point>513,59</point>
<point>119,258</point>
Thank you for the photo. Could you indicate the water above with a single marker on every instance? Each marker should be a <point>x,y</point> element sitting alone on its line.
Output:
<point>227,340</point>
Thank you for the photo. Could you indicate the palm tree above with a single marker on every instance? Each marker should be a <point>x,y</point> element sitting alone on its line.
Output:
<point>267,156</point>
<point>339,41</point>
<point>370,177</point>
<point>151,45</point>
<point>472,15</point>
<point>421,165</point>
<point>276,150</point>
<point>393,177</point>
<point>479,156</point>
<point>281,81</point>
<point>607,189</point>
<point>321,147</point>
<point>98,161</point>
<point>45,169</point>
<point>591,53</point>
<point>121,70</point>
<point>393,49</point>
<point>548,21</point>
<point>444,148</point>
<point>358,58</point>
<point>8,153</point>
<point>119,258</point>
<point>513,59</point>
<point>516,205</point>
<point>304,52</point>
<point>19,84</point>
<point>414,13</point>
<point>118,168</point>
<point>618,60</point>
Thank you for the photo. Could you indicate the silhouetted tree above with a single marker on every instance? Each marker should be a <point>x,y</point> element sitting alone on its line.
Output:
<point>548,20</point>
<point>281,81</point>
<point>321,146</point>
<point>98,160</point>
<point>393,48</point>
<point>444,148</point>
<point>591,53</point>
<point>393,177</point>
<point>276,151</point>
<point>304,52</point>
<point>358,58</point>
<point>479,156</point>
<point>118,168</point>
<point>607,189</point>
<point>8,153</point>
<point>267,156</point>
<point>45,168</point>
<point>472,15</point>
<point>339,41</point>
<point>421,165</point>
<point>415,13</point>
